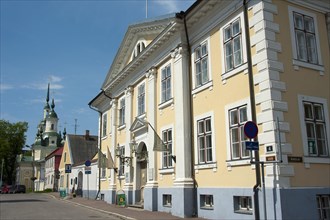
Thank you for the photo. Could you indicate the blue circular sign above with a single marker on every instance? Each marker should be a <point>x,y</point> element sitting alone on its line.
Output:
<point>250,129</point>
<point>87,163</point>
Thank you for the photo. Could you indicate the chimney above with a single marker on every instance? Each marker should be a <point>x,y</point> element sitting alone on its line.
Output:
<point>87,135</point>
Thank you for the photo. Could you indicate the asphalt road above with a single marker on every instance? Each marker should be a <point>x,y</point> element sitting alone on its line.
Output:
<point>40,206</point>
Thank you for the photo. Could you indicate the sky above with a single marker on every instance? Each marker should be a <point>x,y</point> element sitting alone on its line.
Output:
<point>69,44</point>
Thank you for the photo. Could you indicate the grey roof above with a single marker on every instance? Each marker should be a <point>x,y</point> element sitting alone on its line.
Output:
<point>82,148</point>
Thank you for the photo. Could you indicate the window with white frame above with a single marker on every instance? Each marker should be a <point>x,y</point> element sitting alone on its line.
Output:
<point>314,123</point>
<point>167,200</point>
<point>122,111</point>
<point>103,164</point>
<point>305,38</point>
<point>138,49</point>
<point>243,204</point>
<point>122,162</point>
<point>323,206</point>
<point>237,119</point>
<point>204,140</point>
<point>61,180</point>
<point>232,40</point>
<point>167,155</point>
<point>306,49</point>
<point>201,64</point>
<point>141,99</point>
<point>104,124</point>
<point>206,201</point>
<point>166,83</point>
<point>315,129</point>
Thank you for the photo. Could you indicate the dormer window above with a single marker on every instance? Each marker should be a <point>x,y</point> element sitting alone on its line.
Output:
<point>138,48</point>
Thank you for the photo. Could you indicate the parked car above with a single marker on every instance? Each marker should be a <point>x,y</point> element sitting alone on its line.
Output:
<point>19,189</point>
<point>5,189</point>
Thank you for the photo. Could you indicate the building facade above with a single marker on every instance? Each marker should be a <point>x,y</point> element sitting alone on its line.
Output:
<point>47,140</point>
<point>52,163</point>
<point>77,150</point>
<point>193,79</point>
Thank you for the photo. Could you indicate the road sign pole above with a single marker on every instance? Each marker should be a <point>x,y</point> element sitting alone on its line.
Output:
<point>87,186</point>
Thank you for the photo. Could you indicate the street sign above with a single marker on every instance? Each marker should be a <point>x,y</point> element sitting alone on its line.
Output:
<point>88,170</point>
<point>67,168</point>
<point>87,163</point>
<point>250,129</point>
<point>251,145</point>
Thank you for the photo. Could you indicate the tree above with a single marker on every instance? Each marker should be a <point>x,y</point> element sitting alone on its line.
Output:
<point>12,140</point>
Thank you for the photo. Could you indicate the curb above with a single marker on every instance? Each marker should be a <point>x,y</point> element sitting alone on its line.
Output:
<point>123,217</point>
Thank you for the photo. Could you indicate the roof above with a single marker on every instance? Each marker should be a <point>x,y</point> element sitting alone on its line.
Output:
<point>82,148</point>
<point>153,27</point>
<point>56,152</point>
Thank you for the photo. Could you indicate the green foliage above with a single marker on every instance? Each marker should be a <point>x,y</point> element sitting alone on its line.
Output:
<point>12,140</point>
<point>44,191</point>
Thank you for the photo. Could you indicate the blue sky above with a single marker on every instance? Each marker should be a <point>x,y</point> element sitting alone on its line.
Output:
<point>69,44</point>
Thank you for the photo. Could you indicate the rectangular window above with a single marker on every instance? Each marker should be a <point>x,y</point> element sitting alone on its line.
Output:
<point>141,99</point>
<point>201,65</point>
<point>305,38</point>
<point>166,83</point>
<point>167,155</point>
<point>315,129</point>
<point>243,204</point>
<point>104,125</point>
<point>167,200</point>
<point>122,162</point>
<point>206,201</point>
<point>204,140</point>
<point>233,45</point>
<point>122,111</point>
<point>61,180</point>
<point>103,164</point>
<point>323,206</point>
<point>237,119</point>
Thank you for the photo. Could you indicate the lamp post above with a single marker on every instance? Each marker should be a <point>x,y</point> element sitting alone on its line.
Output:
<point>123,158</point>
<point>2,163</point>
<point>143,155</point>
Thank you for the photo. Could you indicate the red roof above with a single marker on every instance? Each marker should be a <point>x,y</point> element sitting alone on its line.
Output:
<point>56,152</point>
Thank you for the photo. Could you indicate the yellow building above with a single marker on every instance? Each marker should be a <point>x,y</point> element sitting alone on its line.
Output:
<point>194,79</point>
<point>77,150</point>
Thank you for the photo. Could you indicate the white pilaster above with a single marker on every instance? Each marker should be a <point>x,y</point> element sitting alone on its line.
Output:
<point>151,114</point>
<point>128,123</point>
<point>182,118</point>
<point>113,146</point>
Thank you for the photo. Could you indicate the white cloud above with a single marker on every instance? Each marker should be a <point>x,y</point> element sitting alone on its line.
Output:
<point>171,6</point>
<point>81,110</point>
<point>53,80</point>
<point>41,100</point>
<point>4,87</point>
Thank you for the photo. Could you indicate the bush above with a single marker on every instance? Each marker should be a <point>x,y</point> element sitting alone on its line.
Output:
<point>48,190</point>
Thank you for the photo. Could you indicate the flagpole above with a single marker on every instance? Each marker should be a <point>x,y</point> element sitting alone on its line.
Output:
<point>146,8</point>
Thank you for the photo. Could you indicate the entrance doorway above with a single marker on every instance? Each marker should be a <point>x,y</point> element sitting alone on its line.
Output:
<point>142,164</point>
<point>79,191</point>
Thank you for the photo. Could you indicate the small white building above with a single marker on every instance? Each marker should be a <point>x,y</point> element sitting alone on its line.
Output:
<point>84,179</point>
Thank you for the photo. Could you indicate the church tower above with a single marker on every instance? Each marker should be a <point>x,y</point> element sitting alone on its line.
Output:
<point>47,137</point>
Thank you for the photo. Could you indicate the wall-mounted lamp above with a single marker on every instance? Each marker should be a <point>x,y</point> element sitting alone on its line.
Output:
<point>142,155</point>
<point>121,156</point>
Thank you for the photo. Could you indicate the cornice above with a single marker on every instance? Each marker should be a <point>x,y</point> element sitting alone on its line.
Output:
<point>134,32</point>
<point>168,32</point>
<point>322,6</point>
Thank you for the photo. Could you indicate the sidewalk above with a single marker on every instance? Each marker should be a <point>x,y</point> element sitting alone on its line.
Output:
<point>126,213</point>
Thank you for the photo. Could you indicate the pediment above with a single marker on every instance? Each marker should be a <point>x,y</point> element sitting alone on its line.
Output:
<point>138,124</point>
<point>137,34</point>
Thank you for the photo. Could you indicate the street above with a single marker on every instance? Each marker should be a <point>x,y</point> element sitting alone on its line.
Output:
<point>41,206</point>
